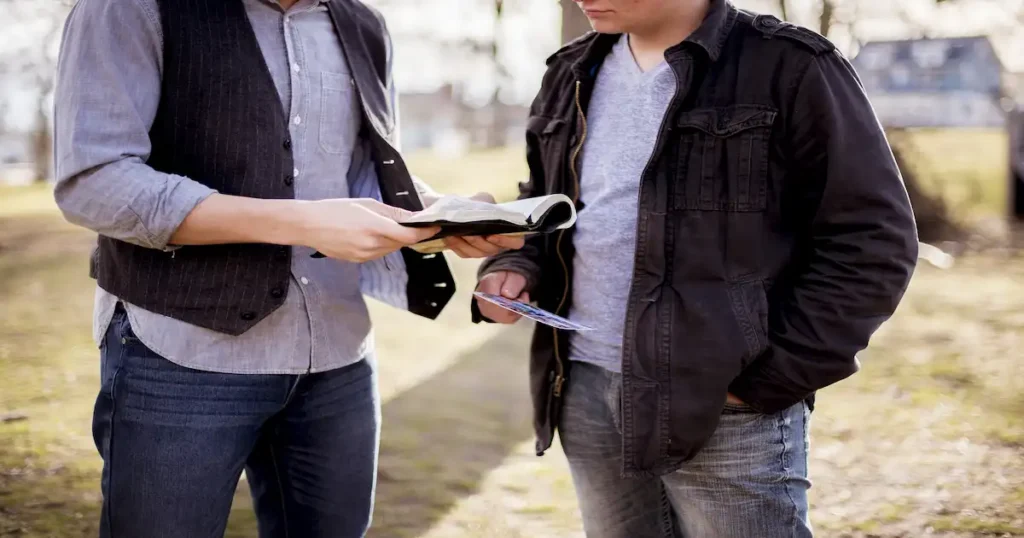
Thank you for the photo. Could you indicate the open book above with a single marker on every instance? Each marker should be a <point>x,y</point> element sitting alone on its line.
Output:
<point>458,216</point>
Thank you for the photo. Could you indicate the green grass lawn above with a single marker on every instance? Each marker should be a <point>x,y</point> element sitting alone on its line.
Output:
<point>969,168</point>
<point>927,439</point>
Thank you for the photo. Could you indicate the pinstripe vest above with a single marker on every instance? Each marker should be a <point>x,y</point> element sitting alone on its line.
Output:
<point>217,91</point>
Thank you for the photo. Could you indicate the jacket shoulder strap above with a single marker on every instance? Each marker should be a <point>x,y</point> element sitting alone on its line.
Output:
<point>771,27</point>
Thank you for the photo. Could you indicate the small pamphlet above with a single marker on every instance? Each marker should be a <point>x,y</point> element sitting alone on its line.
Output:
<point>532,312</point>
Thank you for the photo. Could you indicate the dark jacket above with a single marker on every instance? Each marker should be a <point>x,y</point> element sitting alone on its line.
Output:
<point>209,99</point>
<point>774,232</point>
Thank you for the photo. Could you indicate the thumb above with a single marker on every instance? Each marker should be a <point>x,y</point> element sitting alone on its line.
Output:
<point>513,286</point>
<point>491,283</point>
<point>396,214</point>
<point>485,197</point>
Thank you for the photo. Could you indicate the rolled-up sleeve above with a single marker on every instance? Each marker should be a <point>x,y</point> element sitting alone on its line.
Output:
<point>107,94</point>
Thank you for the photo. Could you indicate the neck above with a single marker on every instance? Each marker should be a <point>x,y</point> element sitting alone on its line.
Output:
<point>287,4</point>
<point>668,28</point>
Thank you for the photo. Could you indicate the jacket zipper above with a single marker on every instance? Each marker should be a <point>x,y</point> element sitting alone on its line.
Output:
<point>560,376</point>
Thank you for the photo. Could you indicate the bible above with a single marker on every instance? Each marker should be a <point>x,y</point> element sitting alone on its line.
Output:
<point>458,216</point>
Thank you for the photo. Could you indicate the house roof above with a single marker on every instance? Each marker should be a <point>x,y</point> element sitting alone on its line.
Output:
<point>955,40</point>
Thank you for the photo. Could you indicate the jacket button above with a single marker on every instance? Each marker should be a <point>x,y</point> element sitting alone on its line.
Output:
<point>277,292</point>
<point>248,315</point>
<point>289,180</point>
<point>281,254</point>
<point>287,143</point>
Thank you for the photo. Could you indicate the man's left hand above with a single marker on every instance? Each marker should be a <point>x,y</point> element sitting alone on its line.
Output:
<point>730,398</point>
<point>483,246</point>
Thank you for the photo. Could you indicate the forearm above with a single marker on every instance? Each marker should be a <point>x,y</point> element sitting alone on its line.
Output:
<point>222,219</point>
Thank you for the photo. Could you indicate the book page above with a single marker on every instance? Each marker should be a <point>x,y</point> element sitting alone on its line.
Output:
<point>460,209</point>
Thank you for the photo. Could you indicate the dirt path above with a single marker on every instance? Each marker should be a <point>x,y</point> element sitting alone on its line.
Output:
<point>928,440</point>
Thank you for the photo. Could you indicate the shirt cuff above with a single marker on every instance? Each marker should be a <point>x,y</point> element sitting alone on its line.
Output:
<point>182,195</point>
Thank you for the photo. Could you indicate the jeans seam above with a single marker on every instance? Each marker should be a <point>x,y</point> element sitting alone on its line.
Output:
<point>110,433</point>
<point>787,470</point>
<point>280,489</point>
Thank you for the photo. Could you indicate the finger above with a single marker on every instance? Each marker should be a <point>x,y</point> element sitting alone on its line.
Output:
<point>495,313</point>
<point>485,247</point>
<point>508,242</point>
<point>483,197</point>
<point>524,297</point>
<point>406,235</point>
<point>513,286</point>
<point>462,248</point>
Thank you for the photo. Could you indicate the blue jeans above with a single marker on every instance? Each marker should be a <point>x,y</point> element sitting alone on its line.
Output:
<point>174,442</point>
<point>749,481</point>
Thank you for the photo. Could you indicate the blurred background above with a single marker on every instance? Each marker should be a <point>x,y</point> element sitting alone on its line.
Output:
<point>928,440</point>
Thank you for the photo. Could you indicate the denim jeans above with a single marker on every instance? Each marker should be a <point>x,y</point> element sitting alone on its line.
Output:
<point>175,441</point>
<point>750,480</point>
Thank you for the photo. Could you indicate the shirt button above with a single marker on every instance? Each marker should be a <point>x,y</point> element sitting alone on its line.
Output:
<point>296,68</point>
<point>304,281</point>
<point>248,315</point>
<point>295,172</point>
<point>277,292</point>
<point>297,120</point>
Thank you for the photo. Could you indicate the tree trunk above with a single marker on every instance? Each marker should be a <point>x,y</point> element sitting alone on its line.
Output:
<point>574,21</point>
<point>828,13</point>
<point>42,145</point>
<point>783,10</point>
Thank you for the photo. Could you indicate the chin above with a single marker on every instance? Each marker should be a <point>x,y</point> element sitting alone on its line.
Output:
<point>606,26</point>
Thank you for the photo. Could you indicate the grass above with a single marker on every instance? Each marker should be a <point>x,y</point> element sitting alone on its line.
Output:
<point>927,439</point>
<point>968,167</point>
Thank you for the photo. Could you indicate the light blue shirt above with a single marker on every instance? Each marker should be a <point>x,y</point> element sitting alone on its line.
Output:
<point>106,100</point>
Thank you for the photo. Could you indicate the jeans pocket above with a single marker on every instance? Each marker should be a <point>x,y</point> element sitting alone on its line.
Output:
<point>737,408</point>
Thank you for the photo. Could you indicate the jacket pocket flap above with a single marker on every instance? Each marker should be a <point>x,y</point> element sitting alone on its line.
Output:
<point>542,125</point>
<point>728,121</point>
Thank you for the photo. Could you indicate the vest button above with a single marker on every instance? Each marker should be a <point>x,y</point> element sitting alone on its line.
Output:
<point>289,180</point>
<point>277,292</point>
<point>248,315</point>
<point>287,143</point>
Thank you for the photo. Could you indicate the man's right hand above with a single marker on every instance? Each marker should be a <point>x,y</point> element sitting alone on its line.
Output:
<point>507,284</point>
<point>357,229</point>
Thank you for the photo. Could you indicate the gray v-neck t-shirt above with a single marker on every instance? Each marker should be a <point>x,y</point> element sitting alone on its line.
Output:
<point>624,117</point>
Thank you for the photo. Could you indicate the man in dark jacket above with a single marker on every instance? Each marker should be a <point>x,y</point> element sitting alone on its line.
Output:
<point>743,230</point>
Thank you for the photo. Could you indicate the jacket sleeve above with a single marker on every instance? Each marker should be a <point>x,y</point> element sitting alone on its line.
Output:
<point>857,257</point>
<point>527,261</point>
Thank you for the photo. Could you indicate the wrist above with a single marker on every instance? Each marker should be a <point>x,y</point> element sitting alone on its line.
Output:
<point>290,222</point>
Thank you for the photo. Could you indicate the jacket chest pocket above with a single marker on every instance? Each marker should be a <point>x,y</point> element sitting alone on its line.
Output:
<point>547,150</point>
<point>723,158</point>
